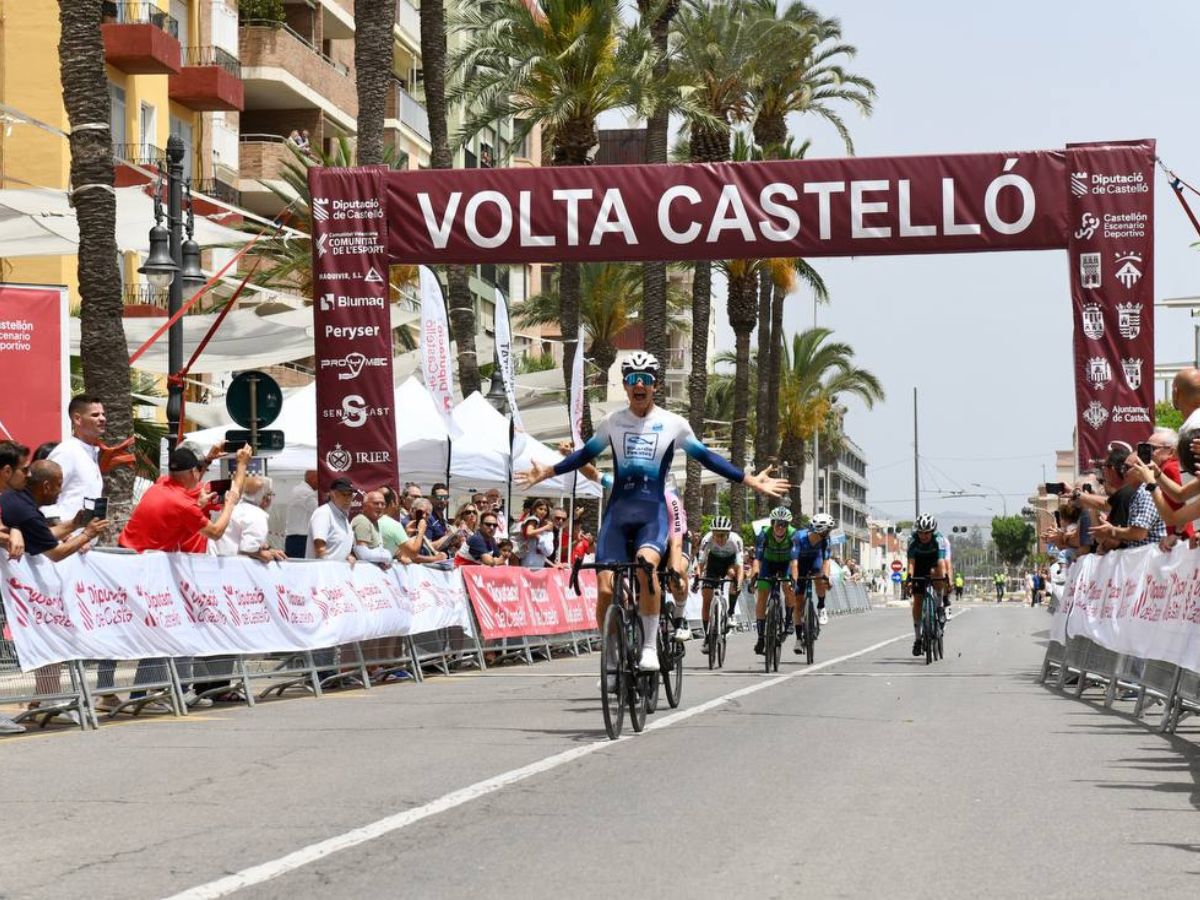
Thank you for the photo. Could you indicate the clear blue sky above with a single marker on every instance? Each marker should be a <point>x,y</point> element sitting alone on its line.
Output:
<point>986,338</point>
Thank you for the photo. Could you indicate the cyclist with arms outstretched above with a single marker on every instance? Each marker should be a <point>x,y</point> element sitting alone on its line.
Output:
<point>810,553</point>
<point>643,438</point>
<point>926,560</point>
<point>773,557</point>
<point>720,556</point>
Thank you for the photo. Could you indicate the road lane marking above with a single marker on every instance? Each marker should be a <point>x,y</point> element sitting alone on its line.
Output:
<point>223,887</point>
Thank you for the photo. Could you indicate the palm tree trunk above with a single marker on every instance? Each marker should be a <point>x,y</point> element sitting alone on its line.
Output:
<point>763,448</point>
<point>775,370</point>
<point>372,74</point>
<point>654,274</point>
<point>102,349</point>
<point>572,145</point>
<point>458,281</point>
<point>742,309</point>
<point>792,453</point>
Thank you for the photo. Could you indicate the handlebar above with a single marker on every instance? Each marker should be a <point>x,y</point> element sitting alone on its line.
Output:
<point>580,565</point>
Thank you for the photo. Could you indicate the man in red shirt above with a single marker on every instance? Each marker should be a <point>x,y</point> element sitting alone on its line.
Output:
<point>172,514</point>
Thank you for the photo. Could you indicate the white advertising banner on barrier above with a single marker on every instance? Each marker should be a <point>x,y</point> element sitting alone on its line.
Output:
<point>115,606</point>
<point>1142,603</point>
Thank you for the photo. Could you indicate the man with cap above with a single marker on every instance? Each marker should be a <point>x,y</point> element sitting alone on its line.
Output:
<point>329,533</point>
<point>173,513</point>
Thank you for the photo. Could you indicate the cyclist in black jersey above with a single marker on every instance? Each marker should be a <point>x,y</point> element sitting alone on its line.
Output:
<point>926,559</point>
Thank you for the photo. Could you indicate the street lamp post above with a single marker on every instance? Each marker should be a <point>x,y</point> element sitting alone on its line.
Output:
<point>174,263</point>
<point>1003,502</point>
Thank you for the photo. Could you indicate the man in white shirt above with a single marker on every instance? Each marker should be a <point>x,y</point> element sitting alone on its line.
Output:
<point>302,503</point>
<point>247,533</point>
<point>329,533</point>
<point>79,458</point>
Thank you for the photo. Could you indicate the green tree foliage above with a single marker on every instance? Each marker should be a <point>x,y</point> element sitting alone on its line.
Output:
<point>1013,537</point>
<point>261,10</point>
<point>1167,416</point>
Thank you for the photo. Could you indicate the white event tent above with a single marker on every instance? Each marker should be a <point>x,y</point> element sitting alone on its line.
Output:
<point>476,442</point>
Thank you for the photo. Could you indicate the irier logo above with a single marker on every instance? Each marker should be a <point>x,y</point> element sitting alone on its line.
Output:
<point>320,209</point>
<point>1079,184</point>
<point>338,459</point>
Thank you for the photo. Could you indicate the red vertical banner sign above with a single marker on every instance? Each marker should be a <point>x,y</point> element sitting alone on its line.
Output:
<point>1111,253</point>
<point>356,424</point>
<point>33,363</point>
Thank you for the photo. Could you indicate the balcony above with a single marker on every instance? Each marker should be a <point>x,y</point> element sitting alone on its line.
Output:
<point>139,38</point>
<point>143,301</point>
<point>408,24</point>
<point>850,474</point>
<point>211,81</point>
<point>403,109</point>
<point>218,190</point>
<point>145,155</point>
<point>282,70</point>
<point>262,160</point>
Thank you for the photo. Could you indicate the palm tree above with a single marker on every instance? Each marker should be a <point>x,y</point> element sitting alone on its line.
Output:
<point>559,64</point>
<point>659,13</point>
<point>816,373</point>
<point>372,73</point>
<point>611,299</point>
<point>460,301</point>
<point>102,346</point>
<point>716,44</point>
<point>798,70</point>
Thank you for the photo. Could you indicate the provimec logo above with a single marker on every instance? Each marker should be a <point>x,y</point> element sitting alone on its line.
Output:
<point>349,366</point>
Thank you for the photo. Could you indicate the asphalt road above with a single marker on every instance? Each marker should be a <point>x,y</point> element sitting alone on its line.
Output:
<point>865,777</point>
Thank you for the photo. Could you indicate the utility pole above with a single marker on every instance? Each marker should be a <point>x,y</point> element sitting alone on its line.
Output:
<point>916,462</point>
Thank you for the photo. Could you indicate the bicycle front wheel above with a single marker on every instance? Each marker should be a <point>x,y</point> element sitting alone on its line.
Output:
<point>672,672</point>
<point>771,635</point>
<point>613,674</point>
<point>810,629</point>
<point>928,628</point>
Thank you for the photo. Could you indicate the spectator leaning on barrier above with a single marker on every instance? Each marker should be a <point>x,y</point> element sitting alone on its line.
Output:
<point>1164,482</point>
<point>248,533</point>
<point>483,548</point>
<point>173,513</point>
<point>1141,523</point>
<point>302,503</point>
<point>329,533</point>
<point>368,541</point>
<point>390,529</point>
<point>21,509</point>
<point>14,469</point>
<point>418,549</point>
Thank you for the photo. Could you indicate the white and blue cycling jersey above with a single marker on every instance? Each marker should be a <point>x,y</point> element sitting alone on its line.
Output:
<point>642,448</point>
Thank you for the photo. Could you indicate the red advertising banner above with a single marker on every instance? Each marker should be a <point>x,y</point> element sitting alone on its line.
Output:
<point>34,363</point>
<point>1111,254</point>
<point>821,207</point>
<point>511,602</point>
<point>356,425</point>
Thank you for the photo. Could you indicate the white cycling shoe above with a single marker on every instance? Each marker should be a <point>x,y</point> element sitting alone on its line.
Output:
<point>822,616</point>
<point>649,660</point>
<point>683,633</point>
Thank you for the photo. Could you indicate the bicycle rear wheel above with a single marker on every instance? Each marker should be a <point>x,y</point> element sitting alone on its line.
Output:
<point>714,631</point>
<point>927,629</point>
<point>672,672</point>
<point>718,648</point>
<point>613,671</point>
<point>639,685</point>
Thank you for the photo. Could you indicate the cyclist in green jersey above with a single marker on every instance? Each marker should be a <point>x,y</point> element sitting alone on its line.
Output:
<point>926,559</point>
<point>772,557</point>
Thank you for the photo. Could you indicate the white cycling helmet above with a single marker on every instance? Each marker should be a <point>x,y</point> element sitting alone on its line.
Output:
<point>822,523</point>
<point>926,523</point>
<point>781,514</point>
<point>640,361</point>
<point>720,523</point>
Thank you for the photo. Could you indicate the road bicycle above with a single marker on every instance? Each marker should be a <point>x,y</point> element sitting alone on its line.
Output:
<point>933,619</point>
<point>715,633</point>
<point>777,622</point>
<point>810,627</point>
<point>670,652</point>
<point>623,684</point>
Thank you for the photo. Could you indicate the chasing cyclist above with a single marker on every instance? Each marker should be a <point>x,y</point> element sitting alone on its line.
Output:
<point>719,556</point>
<point>926,560</point>
<point>810,557</point>
<point>773,557</point>
<point>643,439</point>
<point>678,558</point>
<point>958,586</point>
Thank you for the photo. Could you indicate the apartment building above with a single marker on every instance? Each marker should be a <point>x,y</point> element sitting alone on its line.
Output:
<point>172,69</point>
<point>842,492</point>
